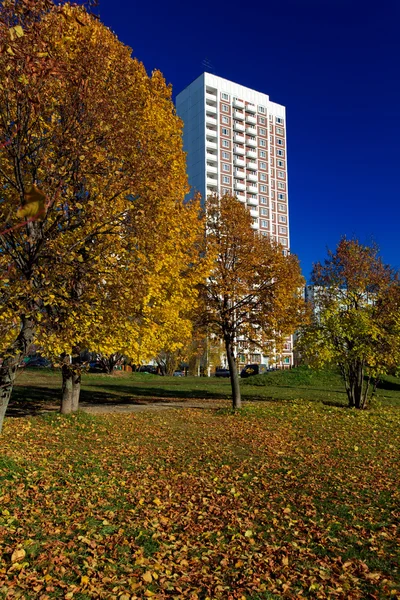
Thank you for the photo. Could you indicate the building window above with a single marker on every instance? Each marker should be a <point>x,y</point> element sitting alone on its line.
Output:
<point>263,188</point>
<point>281,196</point>
<point>273,195</point>
<point>225,191</point>
<point>264,212</point>
<point>279,120</point>
<point>279,141</point>
<point>255,358</point>
<point>262,143</point>
<point>262,165</point>
<point>263,200</point>
<point>281,174</point>
<point>224,108</point>
<point>279,152</point>
<point>264,223</point>
<point>263,177</point>
<point>225,143</point>
<point>271,139</point>
<point>281,185</point>
<point>282,229</point>
<point>261,109</point>
<point>282,207</point>
<point>226,179</point>
<point>225,120</point>
<point>224,131</point>
<point>279,130</point>
<point>282,241</point>
<point>282,218</point>
<point>224,96</point>
<point>262,131</point>
<point>262,154</point>
<point>261,120</point>
<point>226,168</point>
<point>280,163</point>
<point>225,155</point>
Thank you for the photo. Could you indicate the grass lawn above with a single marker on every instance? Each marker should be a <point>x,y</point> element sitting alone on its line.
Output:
<point>294,497</point>
<point>282,500</point>
<point>36,387</point>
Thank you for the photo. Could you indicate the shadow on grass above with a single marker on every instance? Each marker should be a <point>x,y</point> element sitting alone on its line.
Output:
<point>160,392</point>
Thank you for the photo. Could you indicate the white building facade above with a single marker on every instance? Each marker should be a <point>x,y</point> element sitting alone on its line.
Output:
<point>235,140</point>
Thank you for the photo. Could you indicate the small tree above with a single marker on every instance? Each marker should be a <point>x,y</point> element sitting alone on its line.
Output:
<point>253,291</point>
<point>356,302</point>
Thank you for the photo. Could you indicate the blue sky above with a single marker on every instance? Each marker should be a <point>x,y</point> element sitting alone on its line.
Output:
<point>334,64</point>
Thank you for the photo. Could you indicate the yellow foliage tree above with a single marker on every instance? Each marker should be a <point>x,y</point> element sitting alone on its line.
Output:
<point>92,177</point>
<point>254,290</point>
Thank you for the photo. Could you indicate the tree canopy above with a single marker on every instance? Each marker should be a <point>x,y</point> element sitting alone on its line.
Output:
<point>356,317</point>
<point>254,289</point>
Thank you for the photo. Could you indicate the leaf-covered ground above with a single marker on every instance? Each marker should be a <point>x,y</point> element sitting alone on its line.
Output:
<point>283,500</point>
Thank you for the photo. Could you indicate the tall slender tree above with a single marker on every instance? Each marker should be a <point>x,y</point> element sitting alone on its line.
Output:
<point>254,289</point>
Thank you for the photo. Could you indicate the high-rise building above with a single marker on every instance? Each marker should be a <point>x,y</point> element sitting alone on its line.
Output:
<point>235,139</point>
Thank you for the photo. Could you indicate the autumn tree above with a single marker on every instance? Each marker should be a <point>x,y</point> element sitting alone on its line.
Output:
<point>92,175</point>
<point>356,317</point>
<point>253,291</point>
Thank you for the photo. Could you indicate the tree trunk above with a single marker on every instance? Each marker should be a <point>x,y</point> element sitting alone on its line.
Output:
<point>236,396</point>
<point>8,369</point>
<point>71,388</point>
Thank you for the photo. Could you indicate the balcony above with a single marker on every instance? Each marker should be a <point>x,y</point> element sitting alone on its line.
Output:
<point>210,108</point>
<point>211,144</point>
<point>211,182</point>
<point>211,169</point>
<point>239,162</point>
<point>250,177</point>
<point>238,103</point>
<point>252,189</point>
<point>251,130</point>
<point>254,212</point>
<point>238,115</point>
<point>238,126</point>
<point>239,150</point>
<point>251,143</point>
<point>254,224</point>
<point>240,174</point>
<point>210,96</point>
<point>251,120</point>
<point>240,139</point>
<point>252,201</point>
<point>210,120</point>
<point>240,186</point>
<point>211,132</point>
<point>251,154</point>
<point>241,197</point>
<point>251,108</point>
<point>252,165</point>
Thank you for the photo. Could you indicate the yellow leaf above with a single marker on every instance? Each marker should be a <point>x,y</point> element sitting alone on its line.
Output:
<point>157,501</point>
<point>147,577</point>
<point>84,580</point>
<point>149,593</point>
<point>17,555</point>
<point>285,561</point>
<point>248,533</point>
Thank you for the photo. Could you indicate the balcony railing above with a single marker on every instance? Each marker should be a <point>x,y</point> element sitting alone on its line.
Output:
<point>251,108</point>
<point>239,162</point>
<point>240,186</point>
<point>254,212</point>
<point>251,143</point>
<point>252,189</point>
<point>251,120</point>
<point>241,197</point>
<point>251,130</point>
<point>252,165</point>
<point>238,126</point>
<point>252,201</point>
<point>238,103</point>
<point>239,150</point>
<point>239,138</point>
<point>251,154</point>
<point>238,115</point>
<point>250,177</point>
<point>240,174</point>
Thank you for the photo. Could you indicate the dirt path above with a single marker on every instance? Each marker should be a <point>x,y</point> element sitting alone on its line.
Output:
<point>148,405</point>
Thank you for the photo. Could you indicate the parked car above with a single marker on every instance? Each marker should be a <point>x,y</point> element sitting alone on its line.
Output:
<point>151,369</point>
<point>253,369</point>
<point>220,372</point>
<point>36,361</point>
<point>179,373</point>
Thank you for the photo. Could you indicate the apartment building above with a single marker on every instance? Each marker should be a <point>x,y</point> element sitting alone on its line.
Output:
<point>235,139</point>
